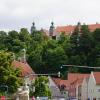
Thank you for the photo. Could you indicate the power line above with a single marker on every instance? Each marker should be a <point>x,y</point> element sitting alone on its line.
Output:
<point>52,74</point>
<point>81,66</point>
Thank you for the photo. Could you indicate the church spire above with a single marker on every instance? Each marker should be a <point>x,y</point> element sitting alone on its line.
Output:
<point>79,26</point>
<point>33,28</point>
<point>51,30</point>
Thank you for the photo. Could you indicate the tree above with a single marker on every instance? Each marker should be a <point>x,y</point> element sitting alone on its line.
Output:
<point>35,59</point>
<point>82,44</point>
<point>41,87</point>
<point>86,40</point>
<point>62,38</point>
<point>75,38</point>
<point>68,46</point>
<point>25,37</point>
<point>12,42</point>
<point>94,55</point>
<point>96,35</point>
<point>3,36</point>
<point>38,36</point>
<point>8,75</point>
<point>54,58</point>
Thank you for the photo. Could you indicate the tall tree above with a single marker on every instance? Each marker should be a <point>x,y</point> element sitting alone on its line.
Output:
<point>86,40</point>
<point>12,42</point>
<point>54,58</point>
<point>3,36</point>
<point>25,38</point>
<point>8,75</point>
<point>75,38</point>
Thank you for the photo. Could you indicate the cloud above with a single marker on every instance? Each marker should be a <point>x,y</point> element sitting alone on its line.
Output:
<point>15,14</point>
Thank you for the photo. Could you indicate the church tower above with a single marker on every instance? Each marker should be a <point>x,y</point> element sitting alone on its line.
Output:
<point>33,28</point>
<point>79,27</point>
<point>51,30</point>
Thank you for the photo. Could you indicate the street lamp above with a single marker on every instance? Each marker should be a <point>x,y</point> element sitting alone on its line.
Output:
<point>59,74</point>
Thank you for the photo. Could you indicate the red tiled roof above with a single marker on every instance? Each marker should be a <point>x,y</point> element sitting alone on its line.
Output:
<point>76,77</point>
<point>97,77</point>
<point>92,27</point>
<point>60,82</point>
<point>72,77</point>
<point>64,82</point>
<point>57,80</point>
<point>69,29</point>
<point>80,81</point>
<point>25,68</point>
<point>65,29</point>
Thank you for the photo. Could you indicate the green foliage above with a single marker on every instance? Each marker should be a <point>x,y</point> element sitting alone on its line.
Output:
<point>46,55</point>
<point>8,75</point>
<point>96,35</point>
<point>55,57</point>
<point>3,36</point>
<point>62,38</point>
<point>41,87</point>
<point>35,59</point>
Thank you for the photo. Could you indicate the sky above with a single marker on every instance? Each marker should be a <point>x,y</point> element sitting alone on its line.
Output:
<point>16,14</point>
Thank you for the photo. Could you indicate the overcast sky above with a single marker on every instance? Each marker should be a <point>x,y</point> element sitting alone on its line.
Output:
<point>15,14</point>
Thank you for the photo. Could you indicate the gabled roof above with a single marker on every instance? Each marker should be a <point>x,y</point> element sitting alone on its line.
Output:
<point>25,68</point>
<point>64,82</point>
<point>97,77</point>
<point>60,82</point>
<point>54,88</point>
<point>57,81</point>
<point>76,76</point>
<point>73,78</point>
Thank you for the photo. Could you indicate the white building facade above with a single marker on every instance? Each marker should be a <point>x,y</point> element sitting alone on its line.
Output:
<point>84,89</point>
<point>93,87</point>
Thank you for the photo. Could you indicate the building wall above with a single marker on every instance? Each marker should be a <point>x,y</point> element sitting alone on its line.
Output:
<point>97,92</point>
<point>84,90</point>
<point>79,92</point>
<point>72,91</point>
<point>93,89</point>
